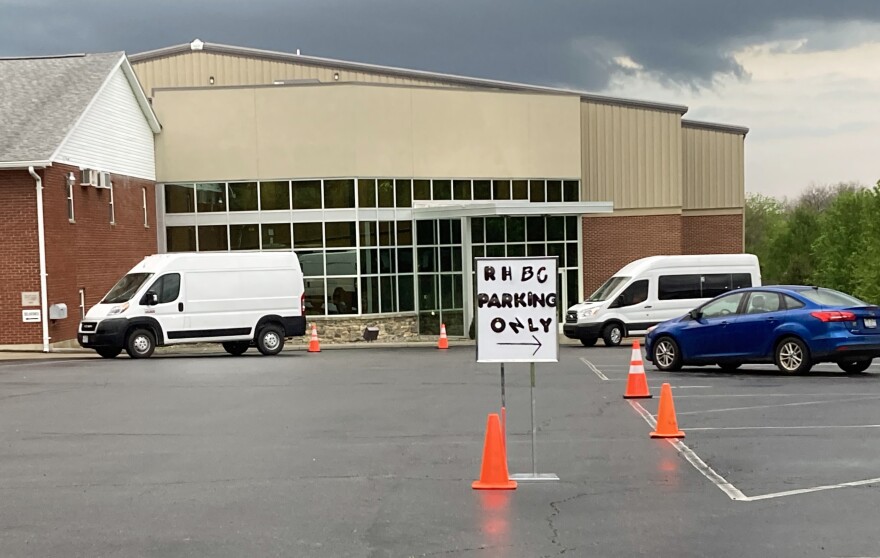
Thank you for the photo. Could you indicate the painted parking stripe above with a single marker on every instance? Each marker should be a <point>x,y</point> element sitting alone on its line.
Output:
<point>733,492</point>
<point>798,404</point>
<point>814,489</point>
<point>595,370</point>
<point>798,427</point>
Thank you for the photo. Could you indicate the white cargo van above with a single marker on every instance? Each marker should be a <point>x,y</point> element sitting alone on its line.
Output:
<point>655,289</point>
<point>239,299</point>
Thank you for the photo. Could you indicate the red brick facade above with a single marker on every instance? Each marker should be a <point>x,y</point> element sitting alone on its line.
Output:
<point>712,234</point>
<point>612,242</point>
<point>89,253</point>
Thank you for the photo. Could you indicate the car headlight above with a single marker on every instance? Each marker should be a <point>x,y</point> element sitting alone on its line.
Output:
<point>118,309</point>
<point>586,313</point>
<point>652,328</point>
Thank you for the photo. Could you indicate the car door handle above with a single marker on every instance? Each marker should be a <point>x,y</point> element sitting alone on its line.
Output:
<point>649,306</point>
<point>180,307</point>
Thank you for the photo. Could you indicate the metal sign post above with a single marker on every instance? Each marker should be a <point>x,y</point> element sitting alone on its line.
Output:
<point>516,322</point>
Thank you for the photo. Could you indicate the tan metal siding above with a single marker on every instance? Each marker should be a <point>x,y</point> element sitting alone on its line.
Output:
<point>631,156</point>
<point>193,69</point>
<point>359,130</point>
<point>714,166</point>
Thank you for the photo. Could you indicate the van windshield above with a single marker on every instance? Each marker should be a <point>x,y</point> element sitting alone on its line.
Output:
<point>126,288</point>
<point>605,291</point>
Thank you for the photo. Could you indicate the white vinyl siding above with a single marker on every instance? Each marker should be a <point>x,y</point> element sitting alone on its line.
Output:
<point>113,135</point>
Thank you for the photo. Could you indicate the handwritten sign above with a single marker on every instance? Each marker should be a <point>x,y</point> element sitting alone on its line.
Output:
<point>516,304</point>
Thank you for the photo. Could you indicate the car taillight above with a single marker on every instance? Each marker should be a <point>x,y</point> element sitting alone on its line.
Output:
<point>302,304</point>
<point>834,316</point>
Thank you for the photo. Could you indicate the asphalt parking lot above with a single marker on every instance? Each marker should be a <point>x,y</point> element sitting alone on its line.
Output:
<point>371,453</point>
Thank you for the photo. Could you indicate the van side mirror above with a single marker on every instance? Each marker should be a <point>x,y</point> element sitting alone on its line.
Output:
<point>618,302</point>
<point>152,299</point>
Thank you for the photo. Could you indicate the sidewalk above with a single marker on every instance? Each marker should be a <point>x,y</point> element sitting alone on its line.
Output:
<point>215,348</point>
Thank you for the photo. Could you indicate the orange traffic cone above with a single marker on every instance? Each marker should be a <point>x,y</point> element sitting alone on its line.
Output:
<point>444,342</point>
<point>667,425</point>
<point>314,344</point>
<point>494,475</point>
<point>637,382</point>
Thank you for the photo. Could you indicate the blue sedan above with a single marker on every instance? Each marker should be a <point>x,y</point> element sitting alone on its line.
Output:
<point>792,327</point>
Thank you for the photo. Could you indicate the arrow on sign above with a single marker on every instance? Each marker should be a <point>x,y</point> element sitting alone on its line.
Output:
<point>538,343</point>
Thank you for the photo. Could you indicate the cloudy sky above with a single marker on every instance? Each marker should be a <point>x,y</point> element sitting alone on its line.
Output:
<point>803,75</point>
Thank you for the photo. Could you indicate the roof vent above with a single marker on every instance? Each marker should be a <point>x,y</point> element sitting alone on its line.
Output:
<point>197,45</point>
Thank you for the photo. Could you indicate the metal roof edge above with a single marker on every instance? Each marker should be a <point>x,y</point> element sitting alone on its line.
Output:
<point>23,165</point>
<point>715,127</point>
<point>400,72</point>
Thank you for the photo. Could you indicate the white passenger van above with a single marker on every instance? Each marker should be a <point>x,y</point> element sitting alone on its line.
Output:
<point>655,289</point>
<point>239,299</point>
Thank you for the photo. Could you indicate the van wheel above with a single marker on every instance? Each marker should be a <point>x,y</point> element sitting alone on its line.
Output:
<point>270,340</point>
<point>588,341</point>
<point>108,353</point>
<point>236,348</point>
<point>612,335</point>
<point>140,344</point>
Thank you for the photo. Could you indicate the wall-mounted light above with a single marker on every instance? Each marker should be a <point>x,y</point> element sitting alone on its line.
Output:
<point>211,80</point>
<point>70,179</point>
<point>336,76</point>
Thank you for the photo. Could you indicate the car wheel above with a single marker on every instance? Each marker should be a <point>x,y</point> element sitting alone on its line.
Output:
<point>140,344</point>
<point>612,335</point>
<point>108,353</point>
<point>792,356</point>
<point>236,348</point>
<point>588,341</point>
<point>854,366</point>
<point>729,366</point>
<point>270,340</point>
<point>666,355</point>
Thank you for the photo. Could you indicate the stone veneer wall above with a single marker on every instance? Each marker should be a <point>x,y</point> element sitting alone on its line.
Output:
<point>392,329</point>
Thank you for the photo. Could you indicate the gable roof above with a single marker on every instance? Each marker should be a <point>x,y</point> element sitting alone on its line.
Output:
<point>42,99</point>
<point>461,81</point>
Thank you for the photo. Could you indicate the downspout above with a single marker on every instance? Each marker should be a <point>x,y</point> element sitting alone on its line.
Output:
<point>42,243</point>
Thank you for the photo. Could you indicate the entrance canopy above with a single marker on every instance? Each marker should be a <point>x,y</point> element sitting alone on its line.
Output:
<point>423,210</point>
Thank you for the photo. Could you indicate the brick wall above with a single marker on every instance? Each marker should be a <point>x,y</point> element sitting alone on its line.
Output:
<point>712,234</point>
<point>19,256</point>
<point>612,242</point>
<point>90,253</point>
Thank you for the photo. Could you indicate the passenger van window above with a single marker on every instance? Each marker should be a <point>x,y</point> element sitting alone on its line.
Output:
<point>715,285</point>
<point>679,287</point>
<point>634,294</point>
<point>741,280</point>
<point>167,287</point>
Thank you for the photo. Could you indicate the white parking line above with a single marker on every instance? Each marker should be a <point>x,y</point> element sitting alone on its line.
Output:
<point>706,395</point>
<point>798,404</point>
<point>814,489</point>
<point>799,427</point>
<point>592,367</point>
<point>733,492</point>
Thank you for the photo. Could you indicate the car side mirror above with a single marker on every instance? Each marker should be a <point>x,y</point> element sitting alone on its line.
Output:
<point>695,314</point>
<point>152,299</point>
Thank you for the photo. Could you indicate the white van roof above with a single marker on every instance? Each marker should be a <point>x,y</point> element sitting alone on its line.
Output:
<point>705,260</point>
<point>203,261</point>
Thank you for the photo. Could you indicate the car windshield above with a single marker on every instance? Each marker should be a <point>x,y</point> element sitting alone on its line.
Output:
<point>605,291</point>
<point>126,288</point>
<point>827,297</point>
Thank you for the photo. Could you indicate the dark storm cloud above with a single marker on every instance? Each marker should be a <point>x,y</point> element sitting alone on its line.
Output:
<point>572,42</point>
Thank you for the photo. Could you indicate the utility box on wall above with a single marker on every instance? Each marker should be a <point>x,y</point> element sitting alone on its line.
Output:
<point>58,311</point>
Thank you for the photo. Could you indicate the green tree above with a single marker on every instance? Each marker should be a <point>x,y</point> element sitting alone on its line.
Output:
<point>841,243</point>
<point>764,221</point>
<point>867,265</point>
<point>791,259</point>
